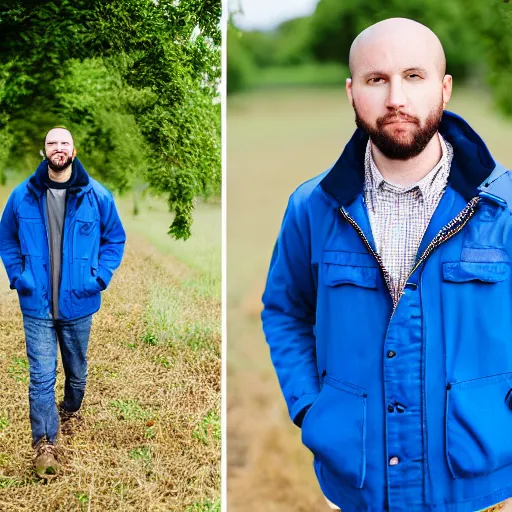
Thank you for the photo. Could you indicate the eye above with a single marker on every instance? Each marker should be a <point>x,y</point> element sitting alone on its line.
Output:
<point>414,76</point>
<point>376,80</point>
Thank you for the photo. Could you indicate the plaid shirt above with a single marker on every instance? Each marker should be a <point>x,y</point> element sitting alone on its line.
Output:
<point>400,215</point>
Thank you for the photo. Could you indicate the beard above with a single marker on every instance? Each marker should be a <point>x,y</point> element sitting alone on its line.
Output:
<point>60,167</point>
<point>391,145</point>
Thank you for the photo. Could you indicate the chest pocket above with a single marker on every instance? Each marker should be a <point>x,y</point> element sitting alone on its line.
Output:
<point>484,265</point>
<point>32,236</point>
<point>86,230</point>
<point>349,268</point>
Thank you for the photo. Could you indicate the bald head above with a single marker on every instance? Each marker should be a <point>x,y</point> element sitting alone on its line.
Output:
<point>59,133</point>
<point>406,38</point>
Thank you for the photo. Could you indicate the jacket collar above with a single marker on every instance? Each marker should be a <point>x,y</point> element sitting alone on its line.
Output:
<point>471,165</point>
<point>81,182</point>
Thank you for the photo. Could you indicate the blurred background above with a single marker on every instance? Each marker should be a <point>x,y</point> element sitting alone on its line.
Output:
<point>288,120</point>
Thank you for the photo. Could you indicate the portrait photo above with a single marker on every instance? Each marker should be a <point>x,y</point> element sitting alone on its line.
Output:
<point>369,364</point>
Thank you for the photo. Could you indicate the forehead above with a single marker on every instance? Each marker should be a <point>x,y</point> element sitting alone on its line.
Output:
<point>59,135</point>
<point>393,54</point>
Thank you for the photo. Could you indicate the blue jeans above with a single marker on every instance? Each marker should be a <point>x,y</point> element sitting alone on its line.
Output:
<point>41,337</point>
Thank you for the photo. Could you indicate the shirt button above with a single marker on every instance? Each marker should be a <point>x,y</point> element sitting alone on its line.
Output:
<point>393,461</point>
<point>391,354</point>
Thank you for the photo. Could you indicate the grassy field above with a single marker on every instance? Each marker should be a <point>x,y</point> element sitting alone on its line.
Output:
<point>151,434</point>
<point>276,140</point>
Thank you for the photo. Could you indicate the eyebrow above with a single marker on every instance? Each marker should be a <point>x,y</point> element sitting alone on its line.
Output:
<point>418,69</point>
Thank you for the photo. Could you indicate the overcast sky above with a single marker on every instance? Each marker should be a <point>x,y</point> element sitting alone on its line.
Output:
<point>267,14</point>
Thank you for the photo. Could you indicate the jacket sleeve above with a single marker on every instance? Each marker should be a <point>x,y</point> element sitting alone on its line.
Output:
<point>112,241</point>
<point>10,249</point>
<point>289,310</point>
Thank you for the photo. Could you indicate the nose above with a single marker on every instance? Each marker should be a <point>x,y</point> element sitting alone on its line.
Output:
<point>396,96</point>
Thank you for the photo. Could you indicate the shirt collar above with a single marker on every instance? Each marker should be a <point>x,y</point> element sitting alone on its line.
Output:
<point>375,180</point>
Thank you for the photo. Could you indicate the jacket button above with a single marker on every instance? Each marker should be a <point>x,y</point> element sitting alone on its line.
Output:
<point>391,354</point>
<point>391,408</point>
<point>393,461</point>
<point>400,408</point>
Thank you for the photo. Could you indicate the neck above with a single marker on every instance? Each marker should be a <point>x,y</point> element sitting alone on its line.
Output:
<point>62,176</point>
<point>408,172</point>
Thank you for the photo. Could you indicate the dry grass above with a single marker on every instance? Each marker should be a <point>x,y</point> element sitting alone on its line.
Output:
<point>277,140</point>
<point>151,434</point>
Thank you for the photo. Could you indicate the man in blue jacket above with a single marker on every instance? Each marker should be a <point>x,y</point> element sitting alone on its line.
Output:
<point>388,302</point>
<point>60,241</point>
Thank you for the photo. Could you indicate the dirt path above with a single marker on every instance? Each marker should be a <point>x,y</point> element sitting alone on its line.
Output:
<point>151,435</point>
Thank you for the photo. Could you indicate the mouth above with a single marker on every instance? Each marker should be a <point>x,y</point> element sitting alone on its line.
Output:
<point>398,120</point>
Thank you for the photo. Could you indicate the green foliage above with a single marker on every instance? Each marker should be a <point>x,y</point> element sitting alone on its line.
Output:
<point>494,23</point>
<point>476,36</point>
<point>141,453</point>
<point>240,61</point>
<point>129,410</point>
<point>150,338</point>
<point>292,46</point>
<point>311,74</point>
<point>209,428</point>
<point>7,482</point>
<point>18,370</point>
<point>204,506</point>
<point>249,52</point>
<point>341,22</point>
<point>135,81</point>
<point>82,497</point>
<point>4,421</point>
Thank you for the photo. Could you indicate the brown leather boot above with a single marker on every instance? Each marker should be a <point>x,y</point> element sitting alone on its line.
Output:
<point>46,457</point>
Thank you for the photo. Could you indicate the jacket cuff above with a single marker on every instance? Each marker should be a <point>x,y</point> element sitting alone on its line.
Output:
<point>305,401</point>
<point>300,417</point>
<point>103,276</point>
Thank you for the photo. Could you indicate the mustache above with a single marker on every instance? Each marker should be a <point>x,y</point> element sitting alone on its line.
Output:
<point>397,116</point>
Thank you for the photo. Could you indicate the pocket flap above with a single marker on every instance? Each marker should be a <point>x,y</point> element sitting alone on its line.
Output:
<point>341,267</point>
<point>486,272</point>
<point>360,276</point>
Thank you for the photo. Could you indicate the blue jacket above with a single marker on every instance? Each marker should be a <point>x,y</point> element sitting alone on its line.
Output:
<point>428,382</point>
<point>92,245</point>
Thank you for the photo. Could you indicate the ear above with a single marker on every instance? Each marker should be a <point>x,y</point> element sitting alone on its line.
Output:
<point>74,152</point>
<point>348,89</point>
<point>447,89</point>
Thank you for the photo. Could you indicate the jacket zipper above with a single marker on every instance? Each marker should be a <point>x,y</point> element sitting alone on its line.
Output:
<point>46,228</point>
<point>449,230</point>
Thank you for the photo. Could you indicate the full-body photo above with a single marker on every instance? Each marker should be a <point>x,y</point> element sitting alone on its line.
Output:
<point>61,239</point>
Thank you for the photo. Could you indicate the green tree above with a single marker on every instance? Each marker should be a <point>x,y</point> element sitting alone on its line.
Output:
<point>335,25</point>
<point>137,80</point>
<point>240,61</point>
<point>493,22</point>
